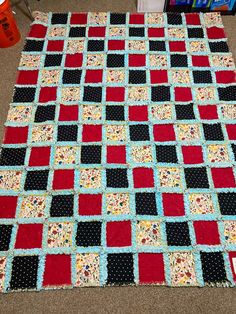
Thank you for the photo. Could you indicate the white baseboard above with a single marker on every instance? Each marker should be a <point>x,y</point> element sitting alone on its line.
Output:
<point>150,5</point>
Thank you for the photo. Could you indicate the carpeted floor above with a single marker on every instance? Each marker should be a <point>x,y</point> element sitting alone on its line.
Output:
<point>113,300</point>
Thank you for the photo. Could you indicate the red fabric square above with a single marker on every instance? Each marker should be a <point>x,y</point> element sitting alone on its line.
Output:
<point>192,19</point>
<point>173,204</point>
<point>183,94</point>
<point>27,77</point>
<point>143,177</point>
<point>8,206</point>
<point>223,177</point>
<point>156,32</point>
<point>37,31</point>
<point>63,179</point>
<point>55,45</point>
<point>208,112</point>
<point>138,113</point>
<point>215,32</point>
<point>206,232</point>
<point>115,94</point>
<point>68,113</point>
<point>78,18</point>
<point>158,76</point>
<point>137,60</point>
<point>177,46</point>
<point>200,61</point>
<point>48,94</point>
<point>232,259</point>
<point>74,60</point>
<point>29,236</point>
<point>15,135</point>
<point>93,76</point>
<point>90,204</point>
<point>136,18</point>
<point>39,156</point>
<point>118,233</point>
<point>92,133</point>
<point>225,77</point>
<point>231,130</point>
<point>57,270</point>
<point>151,268</point>
<point>116,44</point>
<point>116,154</point>
<point>192,154</point>
<point>96,31</point>
<point>163,132</point>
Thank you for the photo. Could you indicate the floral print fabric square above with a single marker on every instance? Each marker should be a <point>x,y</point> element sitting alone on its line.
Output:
<point>119,152</point>
<point>182,269</point>
<point>59,234</point>
<point>117,203</point>
<point>87,269</point>
<point>148,233</point>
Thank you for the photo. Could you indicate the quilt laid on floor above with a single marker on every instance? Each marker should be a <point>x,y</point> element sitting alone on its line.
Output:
<point>118,160</point>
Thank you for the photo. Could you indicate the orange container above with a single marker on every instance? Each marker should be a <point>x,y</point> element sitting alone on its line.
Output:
<point>9,33</point>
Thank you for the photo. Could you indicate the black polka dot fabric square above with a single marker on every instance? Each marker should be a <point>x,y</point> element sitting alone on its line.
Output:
<point>139,132</point>
<point>136,31</point>
<point>195,32</point>
<point>24,272</point>
<point>196,178</point>
<point>33,45</point>
<point>45,113</point>
<point>157,45</point>
<point>59,18</point>
<point>12,156</point>
<point>53,60</point>
<point>178,60</point>
<point>137,77</point>
<point>91,154</point>
<point>202,77</point>
<point>213,268</point>
<point>219,46</point>
<point>67,133</point>
<point>227,203</point>
<point>227,93</point>
<point>184,112</point>
<point>24,94</point>
<point>92,94</point>
<point>178,234</point>
<point>233,146</point>
<point>115,60</point>
<point>117,18</point>
<point>115,113</point>
<point>71,76</point>
<point>36,180</point>
<point>117,178</point>
<point>213,132</point>
<point>160,93</point>
<point>77,32</point>
<point>120,268</point>
<point>88,233</point>
<point>166,154</point>
<point>5,237</point>
<point>95,45</point>
<point>145,204</point>
<point>62,206</point>
<point>174,19</point>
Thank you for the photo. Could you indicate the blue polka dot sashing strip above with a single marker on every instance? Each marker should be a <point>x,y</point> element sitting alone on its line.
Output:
<point>118,160</point>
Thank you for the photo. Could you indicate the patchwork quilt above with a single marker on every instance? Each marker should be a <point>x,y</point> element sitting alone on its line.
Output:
<point>118,160</point>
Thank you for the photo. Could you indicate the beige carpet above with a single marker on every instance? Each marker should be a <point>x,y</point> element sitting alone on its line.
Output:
<point>103,300</point>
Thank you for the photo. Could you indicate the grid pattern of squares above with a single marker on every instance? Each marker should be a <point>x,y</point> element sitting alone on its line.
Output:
<point>118,161</point>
